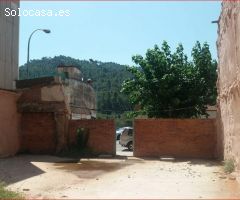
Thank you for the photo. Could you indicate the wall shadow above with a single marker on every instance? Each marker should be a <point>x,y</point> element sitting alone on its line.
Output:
<point>18,168</point>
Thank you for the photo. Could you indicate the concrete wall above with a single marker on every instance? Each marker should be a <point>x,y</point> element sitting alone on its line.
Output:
<point>229,81</point>
<point>101,135</point>
<point>181,138</point>
<point>9,123</point>
<point>9,43</point>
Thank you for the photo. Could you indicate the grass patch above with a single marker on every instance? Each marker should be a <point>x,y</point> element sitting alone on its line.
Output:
<point>7,194</point>
<point>229,166</point>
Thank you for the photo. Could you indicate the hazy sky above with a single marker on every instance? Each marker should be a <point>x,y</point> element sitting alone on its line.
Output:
<point>114,31</point>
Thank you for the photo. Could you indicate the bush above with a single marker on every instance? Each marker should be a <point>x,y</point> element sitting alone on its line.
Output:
<point>79,149</point>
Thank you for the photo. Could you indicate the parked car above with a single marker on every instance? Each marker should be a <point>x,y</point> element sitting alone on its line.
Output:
<point>119,132</point>
<point>126,138</point>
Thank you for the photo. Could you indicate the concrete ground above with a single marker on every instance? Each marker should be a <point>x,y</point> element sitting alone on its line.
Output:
<point>53,177</point>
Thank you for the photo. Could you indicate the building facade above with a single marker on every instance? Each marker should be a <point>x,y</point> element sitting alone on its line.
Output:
<point>9,45</point>
<point>229,82</point>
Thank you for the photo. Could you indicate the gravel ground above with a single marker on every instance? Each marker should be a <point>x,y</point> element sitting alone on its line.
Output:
<point>53,177</point>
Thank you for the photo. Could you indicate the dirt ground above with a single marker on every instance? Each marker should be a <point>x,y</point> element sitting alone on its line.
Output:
<point>126,177</point>
<point>122,151</point>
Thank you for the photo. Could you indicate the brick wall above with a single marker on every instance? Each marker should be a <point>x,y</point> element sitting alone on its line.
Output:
<point>38,133</point>
<point>9,123</point>
<point>101,135</point>
<point>44,123</point>
<point>183,138</point>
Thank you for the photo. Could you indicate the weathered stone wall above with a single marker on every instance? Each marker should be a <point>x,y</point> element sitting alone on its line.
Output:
<point>180,138</point>
<point>69,72</point>
<point>82,99</point>
<point>53,100</point>
<point>229,81</point>
<point>9,123</point>
<point>80,95</point>
<point>44,121</point>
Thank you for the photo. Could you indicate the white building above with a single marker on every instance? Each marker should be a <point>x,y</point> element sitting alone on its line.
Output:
<point>9,44</point>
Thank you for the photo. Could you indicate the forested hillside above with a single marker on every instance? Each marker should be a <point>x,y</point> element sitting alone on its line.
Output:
<point>107,79</point>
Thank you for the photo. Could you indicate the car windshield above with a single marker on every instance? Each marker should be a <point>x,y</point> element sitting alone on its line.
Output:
<point>130,132</point>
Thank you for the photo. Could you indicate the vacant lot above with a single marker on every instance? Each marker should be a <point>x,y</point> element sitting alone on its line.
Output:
<point>52,177</point>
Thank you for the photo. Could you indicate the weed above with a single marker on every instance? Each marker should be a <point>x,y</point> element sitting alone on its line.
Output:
<point>229,166</point>
<point>79,149</point>
<point>82,137</point>
<point>7,194</point>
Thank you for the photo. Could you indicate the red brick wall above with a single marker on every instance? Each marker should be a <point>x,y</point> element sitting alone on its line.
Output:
<point>101,135</point>
<point>38,133</point>
<point>30,95</point>
<point>183,138</point>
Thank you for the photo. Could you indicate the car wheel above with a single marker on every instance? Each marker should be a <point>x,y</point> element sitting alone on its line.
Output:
<point>118,137</point>
<point>130,146</point>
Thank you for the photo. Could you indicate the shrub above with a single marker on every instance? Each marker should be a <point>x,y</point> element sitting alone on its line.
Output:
<point>82,137</point>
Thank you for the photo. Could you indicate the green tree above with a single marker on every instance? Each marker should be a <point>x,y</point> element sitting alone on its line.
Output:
<point>166,84</point>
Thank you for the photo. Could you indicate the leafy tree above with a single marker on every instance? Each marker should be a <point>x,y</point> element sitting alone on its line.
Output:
<point>166,84</point>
